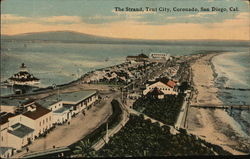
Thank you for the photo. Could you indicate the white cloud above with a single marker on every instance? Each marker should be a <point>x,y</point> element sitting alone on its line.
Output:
<point>241,20</point>
<point>235,28</point>
<point>12,17</point>
<point>54,19</point>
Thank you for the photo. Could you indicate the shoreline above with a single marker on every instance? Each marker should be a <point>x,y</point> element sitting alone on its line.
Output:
<point>215,126</point>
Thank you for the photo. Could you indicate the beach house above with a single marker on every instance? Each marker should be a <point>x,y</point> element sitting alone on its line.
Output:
<point>165,85</point>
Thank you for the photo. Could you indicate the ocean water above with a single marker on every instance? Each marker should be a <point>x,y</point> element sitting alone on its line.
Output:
<point>233,79</point>
<point>59,63</point>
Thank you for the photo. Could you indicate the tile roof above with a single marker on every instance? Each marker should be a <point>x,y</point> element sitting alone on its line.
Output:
<point>39,112</point>
<point>21,130</point>
<point>171,84</point>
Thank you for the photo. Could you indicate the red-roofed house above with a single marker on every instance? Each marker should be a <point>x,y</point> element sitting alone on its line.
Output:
<point>167,87</point>
<point>170,83</point>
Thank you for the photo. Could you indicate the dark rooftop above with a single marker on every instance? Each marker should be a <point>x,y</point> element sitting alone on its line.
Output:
<point>4,149</point>
<point>69,97</point>
<point>39,112</point>
<point>21,130</point>
<point>4,117</point>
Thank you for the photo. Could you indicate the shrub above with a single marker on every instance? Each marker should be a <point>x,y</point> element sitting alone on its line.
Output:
<point>141,138</point>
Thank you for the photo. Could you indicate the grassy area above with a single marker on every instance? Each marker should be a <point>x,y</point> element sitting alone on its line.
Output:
<point>99,133</point>
<point>165,110</point>
<point>142,138</point>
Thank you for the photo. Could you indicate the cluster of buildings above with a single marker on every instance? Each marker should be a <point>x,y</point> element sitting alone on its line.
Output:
<point>22,121</point>
<point>170,72</point>
<point>134,68</point>
<point>153,57</point>
<point>157,88</point>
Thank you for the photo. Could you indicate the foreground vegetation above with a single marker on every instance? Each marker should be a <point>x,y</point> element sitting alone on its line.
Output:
<point>142,138</point>
<point>165,110</point>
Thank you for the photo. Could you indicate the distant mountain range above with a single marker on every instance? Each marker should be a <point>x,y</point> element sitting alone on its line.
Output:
<point>76,37</point>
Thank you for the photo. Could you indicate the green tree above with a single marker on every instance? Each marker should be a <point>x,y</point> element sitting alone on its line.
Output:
<point>84,149</point>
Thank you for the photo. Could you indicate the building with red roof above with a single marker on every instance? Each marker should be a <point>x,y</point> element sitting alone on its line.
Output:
<point>168,87</point>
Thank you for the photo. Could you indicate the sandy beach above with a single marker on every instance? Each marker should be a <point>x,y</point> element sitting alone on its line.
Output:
<point>213,125</point>
<point>203,80</point>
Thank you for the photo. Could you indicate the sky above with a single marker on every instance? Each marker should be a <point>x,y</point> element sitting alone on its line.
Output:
<point>98,17</point>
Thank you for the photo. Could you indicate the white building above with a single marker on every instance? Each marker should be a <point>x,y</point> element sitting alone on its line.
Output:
<point>36,117</point>
<point>168,87</point>
<point>64,105</point>
<point>6,152</point>
<point>14,135</point>
<point>159,56</point>
<point>19,136</point>
<point>156,93</point>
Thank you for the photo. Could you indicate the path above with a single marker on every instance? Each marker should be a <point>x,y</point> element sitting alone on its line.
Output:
<point>114,130</point>
<point>180,122</point>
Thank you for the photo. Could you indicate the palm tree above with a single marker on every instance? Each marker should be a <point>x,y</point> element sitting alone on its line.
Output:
<point>84,149</point>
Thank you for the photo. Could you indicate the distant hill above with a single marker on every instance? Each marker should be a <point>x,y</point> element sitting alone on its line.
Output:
<point>76,37</point>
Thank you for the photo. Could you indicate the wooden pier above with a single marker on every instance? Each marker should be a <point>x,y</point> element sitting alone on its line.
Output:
<point>214,106</point>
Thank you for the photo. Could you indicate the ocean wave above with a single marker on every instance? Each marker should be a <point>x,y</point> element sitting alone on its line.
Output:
<point>231,88</point>
<point>231,71</point>
<point>232,79</point>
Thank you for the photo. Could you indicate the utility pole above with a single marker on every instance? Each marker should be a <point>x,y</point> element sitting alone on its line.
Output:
<point>58,93</point>
<point>107,135</point>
